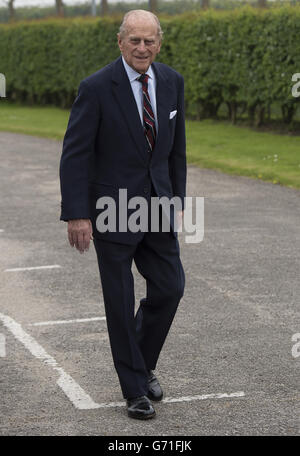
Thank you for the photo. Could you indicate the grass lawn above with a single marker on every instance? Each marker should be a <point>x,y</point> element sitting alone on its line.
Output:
<point>49,122</point>
<point>210,144</point>
<point>240,150</point>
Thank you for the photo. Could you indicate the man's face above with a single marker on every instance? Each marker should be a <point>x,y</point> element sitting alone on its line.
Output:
<point>140,44</point>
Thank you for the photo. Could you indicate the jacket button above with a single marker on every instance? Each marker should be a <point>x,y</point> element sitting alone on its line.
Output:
<point>146,190</point>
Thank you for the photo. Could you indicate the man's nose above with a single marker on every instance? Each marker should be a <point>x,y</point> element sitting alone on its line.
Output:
<point>142,46</point>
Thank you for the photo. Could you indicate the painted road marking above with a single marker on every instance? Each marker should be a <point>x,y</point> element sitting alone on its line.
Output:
<point>171,400</point>
<point>1,231</point>
<point>230,230</point>
<point>51,266</point>
<point>64,322</point>
<point>2,345</point>
<point>79,398</point>
<point>202,397</point>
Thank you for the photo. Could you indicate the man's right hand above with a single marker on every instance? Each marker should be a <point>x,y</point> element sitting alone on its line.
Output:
<point>80,232</point>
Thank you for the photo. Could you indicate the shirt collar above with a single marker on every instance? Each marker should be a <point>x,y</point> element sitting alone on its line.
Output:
<point>132,74</point>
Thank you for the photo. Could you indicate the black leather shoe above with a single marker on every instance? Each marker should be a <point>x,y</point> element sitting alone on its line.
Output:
<point>140,408</point>
<point>155,392</point>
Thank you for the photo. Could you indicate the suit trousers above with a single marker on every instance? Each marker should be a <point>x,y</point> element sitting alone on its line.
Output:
<point>137,339</point>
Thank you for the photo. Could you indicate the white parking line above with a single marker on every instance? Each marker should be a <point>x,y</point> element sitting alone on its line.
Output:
<point>51,266</point>
<point>171,400</point>
<point>1,231</point>
<point>64,322</point>
<point>202,397</point>
<point>230,230</point>
<point>79,398</point>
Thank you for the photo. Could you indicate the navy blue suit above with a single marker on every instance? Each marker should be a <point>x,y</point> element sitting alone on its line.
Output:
<point>105,150</point>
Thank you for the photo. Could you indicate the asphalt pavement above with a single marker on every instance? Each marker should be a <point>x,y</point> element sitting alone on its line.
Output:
<point>228,366</point>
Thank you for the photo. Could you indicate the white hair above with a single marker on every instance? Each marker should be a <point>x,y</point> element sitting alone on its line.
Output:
<point>139,13</point>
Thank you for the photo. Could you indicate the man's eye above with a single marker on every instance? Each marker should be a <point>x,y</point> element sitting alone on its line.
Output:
<point>149,42</point>
<point>135,41</point>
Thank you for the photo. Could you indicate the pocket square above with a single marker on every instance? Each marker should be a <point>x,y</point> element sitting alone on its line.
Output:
<point>173,114</point>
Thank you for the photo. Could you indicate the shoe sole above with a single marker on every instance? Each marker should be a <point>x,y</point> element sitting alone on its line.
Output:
<point>141,417</point>
<point>154,398</point>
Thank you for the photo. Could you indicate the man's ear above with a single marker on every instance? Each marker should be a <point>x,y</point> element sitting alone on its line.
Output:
<point>119,40</point>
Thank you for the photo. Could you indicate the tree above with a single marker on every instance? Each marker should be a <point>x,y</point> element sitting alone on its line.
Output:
<point>59,8</point>
<point>153,6</point>
<point>262,3</point>
<point>93,8</point>
<point>11,9</point>
<point>204,4</point>
<point>104,7</point>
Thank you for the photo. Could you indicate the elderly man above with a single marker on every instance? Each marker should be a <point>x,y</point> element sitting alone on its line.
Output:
<point>126,131</point>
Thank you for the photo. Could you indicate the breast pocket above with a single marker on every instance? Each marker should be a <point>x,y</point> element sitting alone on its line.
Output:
<point>172,125</point>
<point>173,114</point>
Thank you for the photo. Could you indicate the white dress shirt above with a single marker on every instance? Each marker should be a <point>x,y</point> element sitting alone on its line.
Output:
<point>138,91</point>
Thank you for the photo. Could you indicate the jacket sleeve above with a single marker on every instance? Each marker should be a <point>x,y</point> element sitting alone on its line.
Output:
<point>177,159</point>
<point>77,154</point>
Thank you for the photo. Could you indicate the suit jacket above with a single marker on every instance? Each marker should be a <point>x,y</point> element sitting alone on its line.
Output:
<point>105,149</point>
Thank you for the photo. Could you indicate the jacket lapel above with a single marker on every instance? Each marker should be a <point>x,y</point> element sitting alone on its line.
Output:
<point>124,96</point>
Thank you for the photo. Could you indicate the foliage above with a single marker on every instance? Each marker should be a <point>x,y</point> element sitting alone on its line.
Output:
<point>243,59</point>
<point>169,7</point>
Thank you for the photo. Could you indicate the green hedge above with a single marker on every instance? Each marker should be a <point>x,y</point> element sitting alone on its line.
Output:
<point>44,61</point>
<point>243,58</point>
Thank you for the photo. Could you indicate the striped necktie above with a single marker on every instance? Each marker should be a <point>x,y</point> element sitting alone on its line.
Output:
<point>148,116</point>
